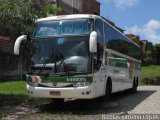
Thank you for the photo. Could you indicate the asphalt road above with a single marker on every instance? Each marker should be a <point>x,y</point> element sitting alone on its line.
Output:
<point>145,101</point>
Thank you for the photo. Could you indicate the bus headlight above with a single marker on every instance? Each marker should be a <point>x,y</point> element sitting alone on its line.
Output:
<point>81,84</point>
<point>34,81</point>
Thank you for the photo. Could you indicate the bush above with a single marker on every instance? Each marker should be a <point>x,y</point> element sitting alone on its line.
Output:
<point>151,81</point>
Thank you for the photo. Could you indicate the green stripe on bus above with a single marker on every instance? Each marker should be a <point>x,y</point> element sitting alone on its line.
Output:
<point>66,79</point>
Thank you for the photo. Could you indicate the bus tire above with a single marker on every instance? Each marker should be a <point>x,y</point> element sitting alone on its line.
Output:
<point>108,90</point>
<point>134,87</point>
<point>137,83</point>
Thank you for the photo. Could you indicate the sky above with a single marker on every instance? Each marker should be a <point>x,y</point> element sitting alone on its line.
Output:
<point>140,17</point>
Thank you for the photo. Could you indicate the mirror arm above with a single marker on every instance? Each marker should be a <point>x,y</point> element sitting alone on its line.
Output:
<point>18,43</point>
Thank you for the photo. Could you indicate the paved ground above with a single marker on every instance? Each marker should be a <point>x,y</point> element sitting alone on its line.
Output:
<point>145,101</point>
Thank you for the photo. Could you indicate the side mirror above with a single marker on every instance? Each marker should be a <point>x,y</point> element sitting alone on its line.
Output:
<point>93,42</point>
<point>18,43</point>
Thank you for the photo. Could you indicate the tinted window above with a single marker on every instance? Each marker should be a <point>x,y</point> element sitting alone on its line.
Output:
<point>117,61</point>
<point>116,41</point>
<point>65,52</point>
<point>63,27</point>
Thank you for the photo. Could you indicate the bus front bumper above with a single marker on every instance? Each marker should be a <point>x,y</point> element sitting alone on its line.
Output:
<point>71,92</point>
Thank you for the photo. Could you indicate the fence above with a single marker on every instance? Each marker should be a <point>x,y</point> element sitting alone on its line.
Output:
<point>11,67</point>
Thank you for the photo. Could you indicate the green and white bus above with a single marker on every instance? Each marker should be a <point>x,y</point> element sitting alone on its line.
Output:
<point>79,57</point>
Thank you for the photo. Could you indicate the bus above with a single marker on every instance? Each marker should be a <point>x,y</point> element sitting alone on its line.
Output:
<point>79,57</point>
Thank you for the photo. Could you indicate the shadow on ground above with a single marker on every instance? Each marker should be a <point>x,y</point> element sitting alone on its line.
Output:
<point>129,101</point>
<point>120,102</point>
<point>12,99</point>
<point>21,100</point>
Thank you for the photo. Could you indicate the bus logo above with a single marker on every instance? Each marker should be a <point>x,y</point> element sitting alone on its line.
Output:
<point>54,84</point>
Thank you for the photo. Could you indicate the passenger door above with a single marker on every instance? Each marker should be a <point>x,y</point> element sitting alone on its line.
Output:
<point>119,69</point>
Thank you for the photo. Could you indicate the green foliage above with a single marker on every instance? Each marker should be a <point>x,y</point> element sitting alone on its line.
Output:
<point>150,74</point>
<point>151,55</point>
<point>50,9</point>
<point>17,87</point>
<point>18,16</point>
<point>151,81</point>
<point>157,54</point>
<point>15,16</point>
<point>150,71</point>
<point>15,93</point>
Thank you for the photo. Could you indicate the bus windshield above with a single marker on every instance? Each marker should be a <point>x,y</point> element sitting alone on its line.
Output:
<point>63,27</point>
<point>64,53</point>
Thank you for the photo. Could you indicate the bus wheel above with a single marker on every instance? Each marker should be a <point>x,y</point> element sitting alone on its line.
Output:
<point>108,90</point>
<point>57,101</point>
<point>134,88</point>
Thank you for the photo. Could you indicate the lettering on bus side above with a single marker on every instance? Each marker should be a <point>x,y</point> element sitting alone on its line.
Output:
<point>76,79</point>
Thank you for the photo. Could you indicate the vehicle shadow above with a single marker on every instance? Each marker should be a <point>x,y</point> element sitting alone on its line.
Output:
<point>119,102</point>
<point>12,99</point>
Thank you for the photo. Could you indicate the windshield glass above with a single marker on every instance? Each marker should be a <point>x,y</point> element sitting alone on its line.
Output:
<point>64,53</point>
<point>63,27</point>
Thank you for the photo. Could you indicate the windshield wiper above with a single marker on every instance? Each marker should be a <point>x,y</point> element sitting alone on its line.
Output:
<point>51,55</point>
<point>57,55</point>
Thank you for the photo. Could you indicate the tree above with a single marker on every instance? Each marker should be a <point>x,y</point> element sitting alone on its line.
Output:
<point>18,16</point>
<point>157,53</point>
<point>50,9</point>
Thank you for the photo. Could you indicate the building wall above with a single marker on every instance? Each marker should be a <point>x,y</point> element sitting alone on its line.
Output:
<point>74,6</point>
<point>77,4</point>
<point>69,6</point>
<point>147,46</point>
<point>82,6</point>
<point>90,7</point>
<point>6,45</point>
<point>10,65</point>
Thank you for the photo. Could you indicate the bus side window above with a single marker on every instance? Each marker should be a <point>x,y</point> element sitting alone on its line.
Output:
<point>118,61</point>
<point>122,63</point>
<point>111,61</point>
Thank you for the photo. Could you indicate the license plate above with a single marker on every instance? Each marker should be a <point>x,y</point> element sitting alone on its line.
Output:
<point>56,93</point>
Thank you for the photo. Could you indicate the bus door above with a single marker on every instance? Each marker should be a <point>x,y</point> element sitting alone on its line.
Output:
<point>119,71</point>
<point>99,72</point>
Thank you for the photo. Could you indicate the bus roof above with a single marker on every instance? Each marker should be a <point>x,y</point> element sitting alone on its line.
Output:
<point>63,17</point>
